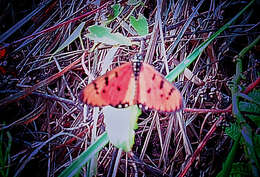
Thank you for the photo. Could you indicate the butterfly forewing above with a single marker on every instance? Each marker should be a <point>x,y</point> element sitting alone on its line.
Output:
<point>155,92</point>
<point>117,87</point>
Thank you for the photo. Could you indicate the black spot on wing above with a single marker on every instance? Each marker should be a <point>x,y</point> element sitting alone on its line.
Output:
<point>106,80</point>
<point>171,91</point>
<point>118,88</point>
<point>95,85</point>
<point>149,90</point>
<point>104,91</point>
<point>116,74</point>
<point>161,84</point>
<point>153,77</point>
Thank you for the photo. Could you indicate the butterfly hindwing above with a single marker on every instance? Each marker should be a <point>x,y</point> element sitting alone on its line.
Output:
<point>115,88</point>
<point>155,92</point>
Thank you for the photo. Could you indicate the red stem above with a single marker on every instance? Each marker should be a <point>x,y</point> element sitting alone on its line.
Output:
<point>252,86</point>
<point>206,110</point>
<point>229,108</point>
<point>213,128</point>
<point>200,147</point>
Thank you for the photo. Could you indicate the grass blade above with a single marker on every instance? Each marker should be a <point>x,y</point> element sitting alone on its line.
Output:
<point>85,156</point>
<point>186,62</point>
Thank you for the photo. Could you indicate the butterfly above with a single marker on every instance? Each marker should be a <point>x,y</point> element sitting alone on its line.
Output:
<point>133,83</point>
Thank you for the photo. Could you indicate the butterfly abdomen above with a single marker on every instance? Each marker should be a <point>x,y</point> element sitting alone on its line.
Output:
<point>136,67</point>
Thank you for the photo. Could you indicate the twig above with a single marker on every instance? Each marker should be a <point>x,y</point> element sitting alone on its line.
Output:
<point>201,146</point>
<point>56,26</point>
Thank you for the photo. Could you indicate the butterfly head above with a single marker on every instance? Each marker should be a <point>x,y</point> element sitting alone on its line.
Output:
<point>138,58</point>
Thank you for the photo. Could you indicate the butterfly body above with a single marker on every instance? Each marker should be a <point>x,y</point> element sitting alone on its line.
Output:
<point>133,83</point>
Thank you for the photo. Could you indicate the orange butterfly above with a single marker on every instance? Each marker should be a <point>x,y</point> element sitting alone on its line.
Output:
<point>133,83</point>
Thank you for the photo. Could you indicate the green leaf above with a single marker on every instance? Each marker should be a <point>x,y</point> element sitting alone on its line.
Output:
<point>240,169</point>
<point>5,148</point>
<point>84,157</point>
<point>103,34</point>
<point>257,145</point>
<point>227,165</point>
<point>255,95</point>
<point>233,131</point>
<point>249,107</point>
<point>120,126</point>
<point>116,10</point>
<point>254,118</point>
<point>140,25</point>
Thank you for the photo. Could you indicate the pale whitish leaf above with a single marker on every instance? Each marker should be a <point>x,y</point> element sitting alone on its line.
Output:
<point>103,34</point>
<point>76,33</point>
<point>108,60</point>
<point>120,125</point>
<point>190,76</point>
